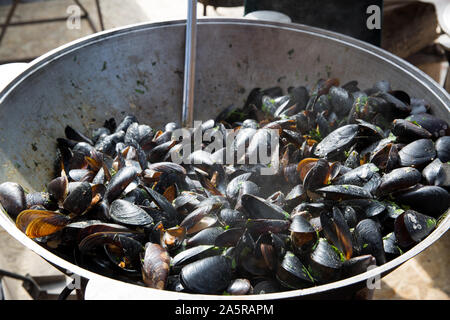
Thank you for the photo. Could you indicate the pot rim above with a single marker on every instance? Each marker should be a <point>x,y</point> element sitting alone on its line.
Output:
<point>149,293</point>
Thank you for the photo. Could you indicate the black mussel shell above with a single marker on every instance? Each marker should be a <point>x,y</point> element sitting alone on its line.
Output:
<point>336,230</point>
<point>164,205</point>
<point>12,198</point>
<point>325,262</point>
<point>437,173</point>
<point>259,208</point>
<point>317,176</point>
<point>357,265</point>
<point>430,200</point>
<point>79,199</point>
<point>302,233</point>
<point>443,148</point>
<point>130,248</point>
<point>296,196</point>
<point>390,246</point>
<point>417,153</point>
<point>209,275</point>
<point>343,192</point>
<point>124,212</point>
<point>436,126</point>
<point>193,254</point>
<point>240,287</point>
<point>126,122</point>
<point>399,179</point>
<point>408,131</point>
<point>155,266</point>
<point>266,286</point>
<point>412,227</point>
<point>58,188</point>
<point>229,238</point>
<point>350,216</point>
<point>40,199</point>
<point>358,176</point>
<point>292,273</point>
<point>119,182</point>
<point>232,218</point>
<point>259,226</point>
<point>337,141</point>
<point>368,240</point>
<point>205,237</point>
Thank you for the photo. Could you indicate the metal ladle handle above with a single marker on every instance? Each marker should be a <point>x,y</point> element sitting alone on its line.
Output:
<point>189,65</point>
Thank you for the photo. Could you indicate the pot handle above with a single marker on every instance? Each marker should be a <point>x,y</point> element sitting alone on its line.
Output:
<point>9,71</point>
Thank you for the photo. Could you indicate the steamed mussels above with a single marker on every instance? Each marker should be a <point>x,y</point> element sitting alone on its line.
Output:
<point>361,176</point>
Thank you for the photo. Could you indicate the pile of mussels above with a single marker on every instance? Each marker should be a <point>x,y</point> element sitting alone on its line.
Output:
<point>363,177</point>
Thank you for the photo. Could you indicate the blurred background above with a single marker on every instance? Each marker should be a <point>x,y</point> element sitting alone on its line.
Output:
<point>417,31</point>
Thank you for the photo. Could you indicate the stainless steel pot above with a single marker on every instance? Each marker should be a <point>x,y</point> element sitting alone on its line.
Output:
<point>139,69</point>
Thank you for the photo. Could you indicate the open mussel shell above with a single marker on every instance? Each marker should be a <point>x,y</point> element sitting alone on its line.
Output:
<point>325,262</point>
<point>302,233</point>
<point>205,222</point>
<point>12,198</point>
<point>195,216</point>
<point>399,179</point>
<point>171,238</point>
<point>417,153</point>
<point>119,182</point>
<point>317,176</point>
<point>124,212</point>
<point>292,273</point>
<point>259,208</point>
<point>40,223</point>
<point>368,240</point>
<point>129,248</point>
<point>155,266</point>
<point>336,230</point>
<point>411,227</point>
<point>209,275</point>
<point>58,188</point>
<point>240,287</point>
<point>430,200</point>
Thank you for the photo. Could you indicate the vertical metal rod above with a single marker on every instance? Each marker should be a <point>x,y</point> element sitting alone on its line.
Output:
<point>189,65</point>
<point>100,15</point>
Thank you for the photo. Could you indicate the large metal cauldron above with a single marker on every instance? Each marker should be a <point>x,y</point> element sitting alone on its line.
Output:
<point>139,70</point>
